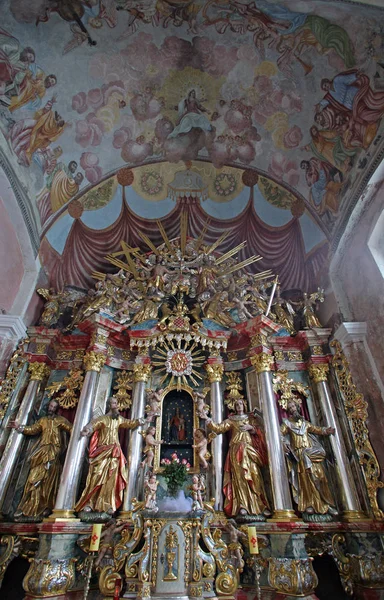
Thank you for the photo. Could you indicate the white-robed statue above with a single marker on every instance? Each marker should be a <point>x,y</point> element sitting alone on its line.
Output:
<point>191,116</point>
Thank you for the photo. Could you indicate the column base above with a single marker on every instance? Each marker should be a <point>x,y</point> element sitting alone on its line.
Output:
<point>350,516</point>
<point>284,516</point>
<point>125,514</point>
<point>62,515</point>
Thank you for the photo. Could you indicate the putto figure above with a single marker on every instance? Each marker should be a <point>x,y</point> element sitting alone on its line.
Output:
<point>107,477</point>
<point>243,484</point>
<point>305,456</point>
<point>150,445</point>
<point>43,478</point>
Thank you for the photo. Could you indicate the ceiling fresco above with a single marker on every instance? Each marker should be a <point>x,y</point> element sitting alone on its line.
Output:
<point>270,107</point>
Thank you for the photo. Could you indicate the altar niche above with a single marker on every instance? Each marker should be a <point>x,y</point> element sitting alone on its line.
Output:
<point>176,426</point>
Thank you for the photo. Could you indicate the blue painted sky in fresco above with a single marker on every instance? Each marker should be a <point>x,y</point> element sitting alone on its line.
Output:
<point>99,219</point>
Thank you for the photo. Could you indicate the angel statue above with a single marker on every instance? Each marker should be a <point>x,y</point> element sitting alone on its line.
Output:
<point>153,408</point>
<point>308,305</point>
<point>52,310</point>
<point>284,315</point>
<point>201,407</point>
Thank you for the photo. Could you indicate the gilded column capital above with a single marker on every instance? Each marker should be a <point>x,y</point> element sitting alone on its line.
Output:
<point>94,361</point>
<point>214,371</point>
<point>38,371</point>
<point>262,362</point>
<point>318,372</point>
<point>141,372</point>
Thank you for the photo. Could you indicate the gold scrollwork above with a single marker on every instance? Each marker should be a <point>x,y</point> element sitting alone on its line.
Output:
<point>186,526</point>
<point>8,384</point>
<point>64,355</point>
<point>231,356</point>
<point>94,361</point>
<point>279,355</point>
<point>292,576</point>
<point>41,348</point>
<point>233,389</point>
<point>214,372</point>
<point>12,548</point>
<point>317,350</point>
<point>107,581</point>
<point>141,372</point>
<point>287,388</point>
<point>38,371</point>
<point>262,362</point>
<point>71,384</point>
<point>123,387</point>
<point>49,577</point>
<point>295,356</point>
<point>318,372</point>
<point>259,339</point>
<point>357,413</point>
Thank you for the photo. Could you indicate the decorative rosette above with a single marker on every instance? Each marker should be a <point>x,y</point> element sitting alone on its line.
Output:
<point>225,184</point>
<point>179,362</point>
<point>151,183</point>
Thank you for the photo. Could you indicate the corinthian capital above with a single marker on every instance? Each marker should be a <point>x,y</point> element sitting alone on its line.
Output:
<point>214,372</point>
<point>39,371</point>
<point>141,372</point>
<point>262,362</point>
<point>94,361</point>
<point>319,372</point>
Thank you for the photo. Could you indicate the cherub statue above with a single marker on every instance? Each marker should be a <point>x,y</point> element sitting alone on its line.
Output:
<point>234,545</point>
<point>150,444</point>
<point>201,407</point>
<point>153,408</point>
<point>284,315</point>
<point>308,305</point>
<point>52,309</point>
<point>150,489</point>
<point>106,545</point>
<point>201,444</point>
<point>197,490</point>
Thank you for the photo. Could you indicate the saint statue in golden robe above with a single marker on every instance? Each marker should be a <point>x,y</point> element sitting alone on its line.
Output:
<point>43,478</point>
<point>243,484</point>
<point>107,476</point>
<point>305,456</point>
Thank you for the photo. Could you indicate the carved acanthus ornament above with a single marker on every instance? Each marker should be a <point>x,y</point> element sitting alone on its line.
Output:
<point>72,384</point>
<point>262,362</point>
<point>123,387</point>
<point>233,389</point>
<point>10,546</point>
<point>288,388</point>
<point>214,372</point>
<point>141,372</point>
<point>8,384</point>
<point>357,413</point>
<point>38,371</point>
<point>94,361</point>
<point>318,372</point>
<point>292,576</point>
<point>47,578</point>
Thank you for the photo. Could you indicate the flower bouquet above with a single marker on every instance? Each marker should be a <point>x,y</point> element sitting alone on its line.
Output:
<point>175,473</point>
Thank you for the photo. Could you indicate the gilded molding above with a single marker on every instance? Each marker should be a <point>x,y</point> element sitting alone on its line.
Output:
<point>38,371</point>
<point>357,413</point>
<point>12,549</point>
<point>94,361</point>
<point>319,372</point>
<point>214,372</point>
<point>141,372</point>
<point>47,578</point>
<point>292,576</point>
<point>262,362</point>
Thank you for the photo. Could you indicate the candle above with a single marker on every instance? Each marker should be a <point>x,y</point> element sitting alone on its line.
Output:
<point>252,540</point>
<point>95,537</point>
<point>116,595</point>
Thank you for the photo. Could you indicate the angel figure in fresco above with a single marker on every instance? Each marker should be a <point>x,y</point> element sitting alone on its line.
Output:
<point>328,146</point>
<point>350,94</point>
<point>243,484</point>
<point>325,184</point>
<point>61,185</point>
<point>308,305</point>
<point>191,116</point>
<point>107,475</point>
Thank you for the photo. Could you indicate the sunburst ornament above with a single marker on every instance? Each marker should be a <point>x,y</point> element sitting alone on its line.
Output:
<point>179,362</point>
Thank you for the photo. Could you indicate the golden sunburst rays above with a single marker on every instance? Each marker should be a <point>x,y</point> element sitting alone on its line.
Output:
<point>178,84</point>
<point>178,360</point>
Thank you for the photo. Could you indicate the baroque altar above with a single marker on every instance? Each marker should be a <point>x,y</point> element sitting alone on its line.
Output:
<point>183,414</point>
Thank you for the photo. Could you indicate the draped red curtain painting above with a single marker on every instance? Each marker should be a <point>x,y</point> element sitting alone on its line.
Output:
<point>282,248</point>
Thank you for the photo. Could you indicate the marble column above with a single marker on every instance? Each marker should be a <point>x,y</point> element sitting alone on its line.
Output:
<point>141,374</point>
<point>74,460</point>
<point>282,501</point>
<point>39,371</point>
<point>347,489</point>
<point>215,374</point>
